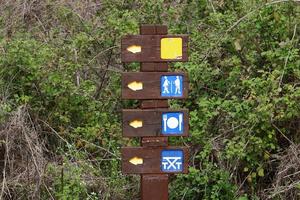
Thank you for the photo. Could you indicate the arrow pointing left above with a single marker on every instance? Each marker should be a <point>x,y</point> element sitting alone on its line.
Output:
<point>135,85</point>
<point>136,123</point>
<point>134,49</point>
<point>136,161</point>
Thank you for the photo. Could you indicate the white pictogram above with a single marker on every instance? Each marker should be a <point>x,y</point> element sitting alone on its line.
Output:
<point>172,163</point>
<point>172,122</point>
<point>165,117</point>
<point>166,86</point>
<point>177,85</point>
<point>180,122</point>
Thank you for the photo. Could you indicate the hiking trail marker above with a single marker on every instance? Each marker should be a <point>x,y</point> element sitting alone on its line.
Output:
<point>154,122</point>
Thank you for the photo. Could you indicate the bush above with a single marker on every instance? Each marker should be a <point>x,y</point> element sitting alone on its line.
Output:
<point>61,61</point>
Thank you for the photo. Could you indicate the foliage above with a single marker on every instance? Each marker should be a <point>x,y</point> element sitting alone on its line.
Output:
<point>61,59</point>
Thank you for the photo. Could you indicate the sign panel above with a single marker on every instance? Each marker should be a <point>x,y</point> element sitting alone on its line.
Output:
<point>152,123</point>
<point>172,123</point>
<point>172,160</point>
<point>171,86</point>
<point>158,160</point>
<point>154,85</point>
<point>154,48</point>
<point>171,48</point>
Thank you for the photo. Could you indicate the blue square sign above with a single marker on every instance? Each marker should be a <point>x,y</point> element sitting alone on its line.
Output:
<point>171,86</point>
<point>172,160</point>
<point>172,123</point>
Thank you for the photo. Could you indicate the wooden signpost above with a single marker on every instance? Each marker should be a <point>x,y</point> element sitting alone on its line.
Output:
<point>154,122</point>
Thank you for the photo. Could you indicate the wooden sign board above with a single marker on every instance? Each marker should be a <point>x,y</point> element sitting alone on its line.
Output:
<point>157,160</point>
<point>154,85</point>
<point>158,122</point>
<point>154,48</point>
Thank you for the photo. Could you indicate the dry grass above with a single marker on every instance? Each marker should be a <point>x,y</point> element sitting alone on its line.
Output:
<point>286,183</point>
<point>23,163</point>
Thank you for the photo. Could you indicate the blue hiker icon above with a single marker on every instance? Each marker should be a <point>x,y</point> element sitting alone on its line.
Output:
<point>171,86</point>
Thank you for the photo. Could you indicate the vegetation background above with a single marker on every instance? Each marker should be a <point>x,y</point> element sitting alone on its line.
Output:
<point>60,130</point>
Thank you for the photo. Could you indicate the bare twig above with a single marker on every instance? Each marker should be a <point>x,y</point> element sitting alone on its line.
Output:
<point>288,56</point>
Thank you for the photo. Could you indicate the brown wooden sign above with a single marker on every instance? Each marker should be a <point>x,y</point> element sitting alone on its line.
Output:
<point>156,160</point>
<point>158,122</point>
<point>154,48</point>
<point>154,85</point>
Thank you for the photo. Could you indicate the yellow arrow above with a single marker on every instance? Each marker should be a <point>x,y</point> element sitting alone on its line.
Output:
<point>136,161</point>
<point>136,123</point>
<point>135,85</point>
<point>134,49</point>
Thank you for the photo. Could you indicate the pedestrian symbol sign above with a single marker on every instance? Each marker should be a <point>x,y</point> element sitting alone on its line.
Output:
<point>172,160</point>
<point>172,123</point>
<point>171,86</point>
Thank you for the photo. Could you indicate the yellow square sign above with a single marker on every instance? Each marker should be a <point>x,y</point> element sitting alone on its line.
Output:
<point>171,48</point>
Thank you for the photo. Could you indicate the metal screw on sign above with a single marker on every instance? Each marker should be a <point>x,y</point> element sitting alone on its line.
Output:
<point>154,122</point>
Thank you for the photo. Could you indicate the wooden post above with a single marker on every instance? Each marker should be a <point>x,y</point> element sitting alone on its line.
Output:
<point>154,186</point>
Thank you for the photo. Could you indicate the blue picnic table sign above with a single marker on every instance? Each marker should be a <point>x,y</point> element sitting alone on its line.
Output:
<point>172,160</point>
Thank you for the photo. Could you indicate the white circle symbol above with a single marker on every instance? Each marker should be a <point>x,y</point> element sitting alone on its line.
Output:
<point>172,122</point>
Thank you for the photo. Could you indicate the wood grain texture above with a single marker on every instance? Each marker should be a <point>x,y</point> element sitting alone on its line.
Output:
<point>154,141</point>
<point>154,30</point>
<point>149,29</point>
<point>149,104</point>
<point>154,186</point>
<point>151,160</point>
<point>154,67</point>
<point>150,51</point>
<point>152,122</point>
<point>151,85</point>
